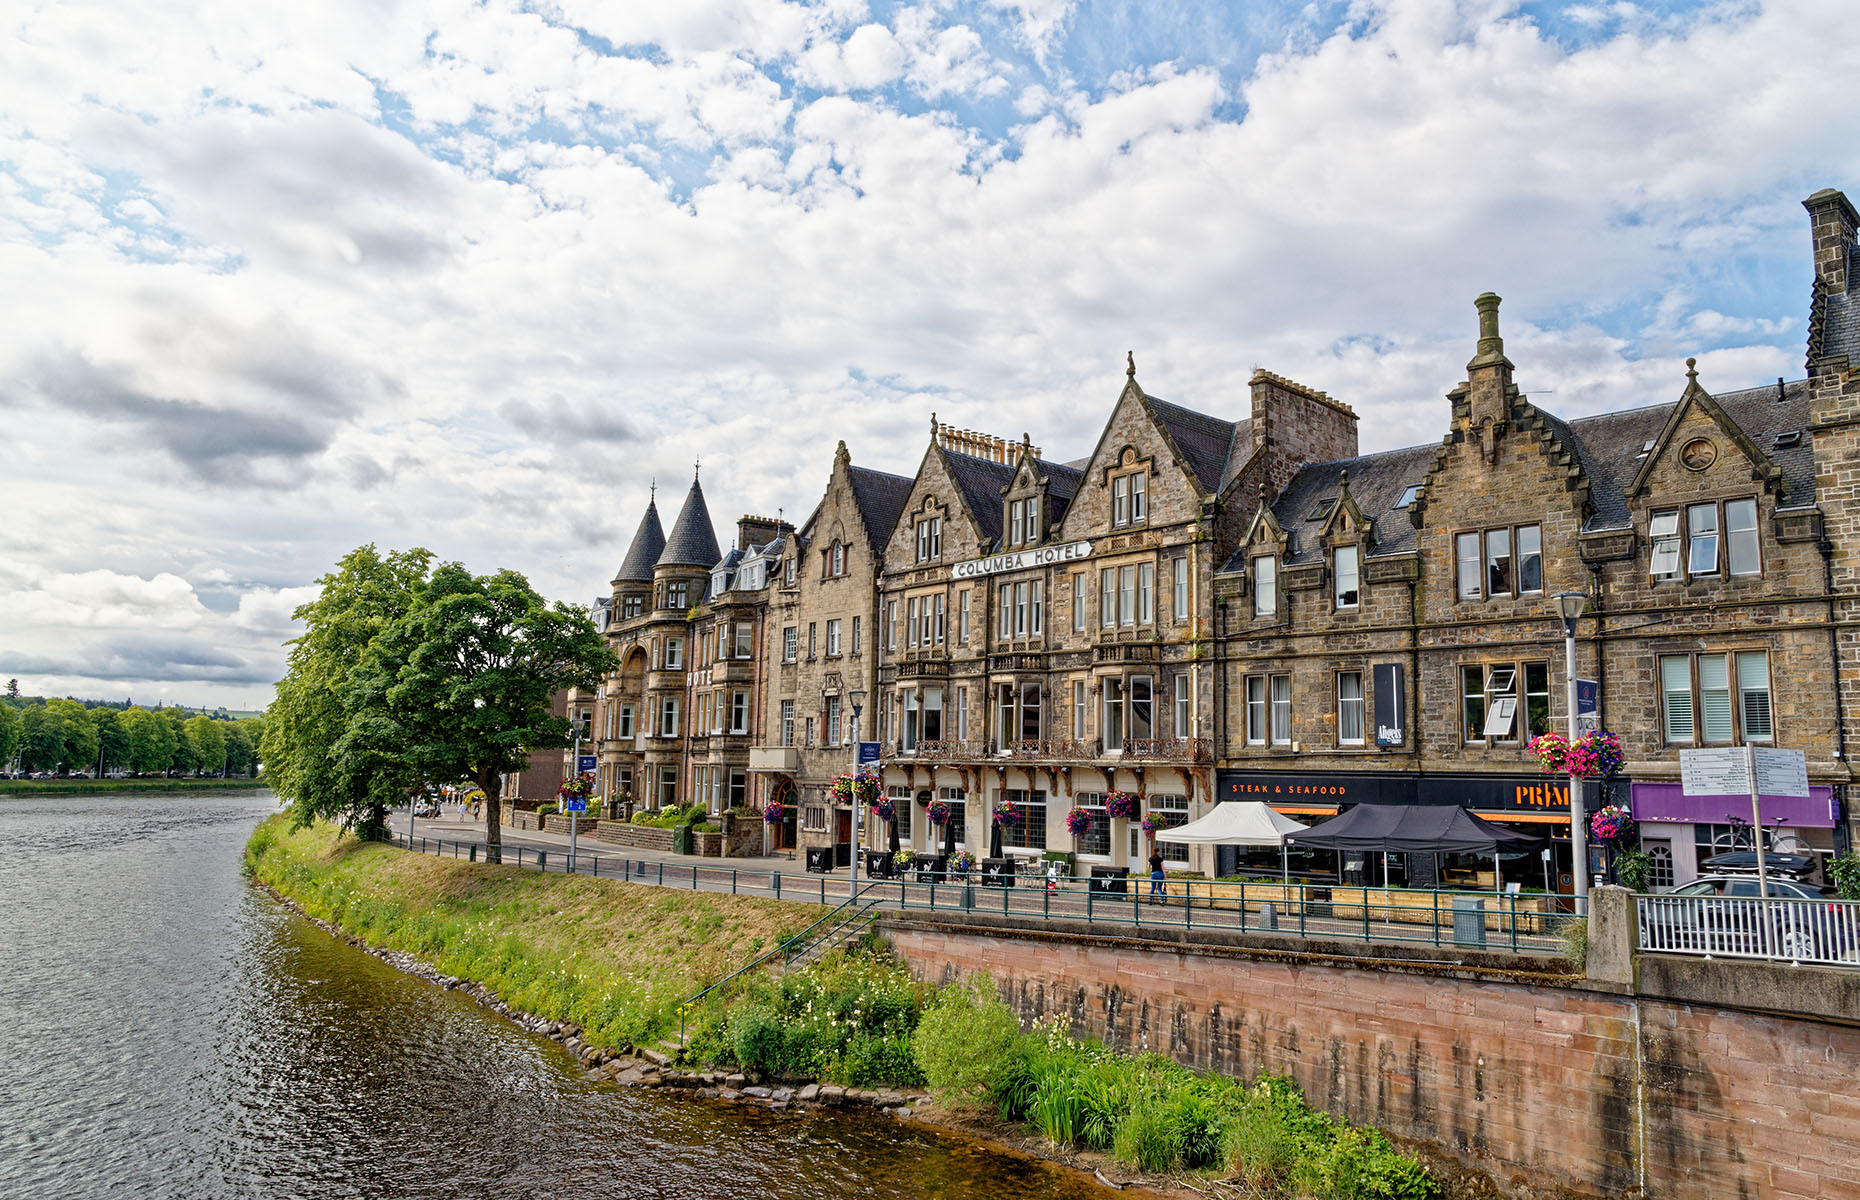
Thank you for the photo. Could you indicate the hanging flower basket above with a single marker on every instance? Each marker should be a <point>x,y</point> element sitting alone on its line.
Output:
<point>1122,804</point>
<point>1593,755</point>
<point>856,789</point>
<point>1006,815</point>
<point>773,812</point>
<point>578,788</point>
<point>1151,824</point>
<point>938,812</point>
<point>1078,821</point>
<point>884,809</point>
<point>1612,823</point>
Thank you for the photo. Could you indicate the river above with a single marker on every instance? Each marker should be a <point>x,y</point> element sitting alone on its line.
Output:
<point>170,1031</point>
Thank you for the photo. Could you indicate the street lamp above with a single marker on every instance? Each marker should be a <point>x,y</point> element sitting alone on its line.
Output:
<point>856,698</point>
<point>1569,606</point>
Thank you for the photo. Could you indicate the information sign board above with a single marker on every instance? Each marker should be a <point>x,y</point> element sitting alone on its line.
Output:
<point>868,754</point>
<point>576,804</point>
<point>1717,771</point>
<point>1781,772</point>
<point>584,764</point>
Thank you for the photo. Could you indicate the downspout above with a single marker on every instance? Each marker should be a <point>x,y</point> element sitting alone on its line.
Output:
<point>1414,669</point>
<point>1843,842</point>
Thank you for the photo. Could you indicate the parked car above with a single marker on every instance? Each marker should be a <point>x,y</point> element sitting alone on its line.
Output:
<point>1744,862</point>
<point>424,807</point>
<point>1711,914</point>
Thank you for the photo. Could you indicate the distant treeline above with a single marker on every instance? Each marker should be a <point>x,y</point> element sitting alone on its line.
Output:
<point>69,735</point>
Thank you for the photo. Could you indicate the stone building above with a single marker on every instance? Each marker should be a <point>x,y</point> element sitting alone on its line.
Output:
<point>820,654</point>
<point>1045,627</point>
<point>1388,632</point>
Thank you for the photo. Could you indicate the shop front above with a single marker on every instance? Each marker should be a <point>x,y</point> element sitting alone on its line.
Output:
<point>1535,804</point>
<point>1678,831</point>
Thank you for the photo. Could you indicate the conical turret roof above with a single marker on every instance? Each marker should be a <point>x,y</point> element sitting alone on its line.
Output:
<point>693,542</point>
<point>648,544</point>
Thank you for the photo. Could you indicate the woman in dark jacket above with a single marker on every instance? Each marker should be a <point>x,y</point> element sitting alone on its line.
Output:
<point>1156,875</point>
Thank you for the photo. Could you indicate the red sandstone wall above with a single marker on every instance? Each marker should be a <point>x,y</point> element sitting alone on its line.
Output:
<point>1541,1087</point>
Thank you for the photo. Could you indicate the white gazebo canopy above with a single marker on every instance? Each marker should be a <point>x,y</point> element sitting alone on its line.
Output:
<point>1234,823</point>
<point>1237,823</point>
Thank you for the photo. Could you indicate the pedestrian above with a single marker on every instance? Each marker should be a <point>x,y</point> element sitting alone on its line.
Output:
<point>1156,876</point>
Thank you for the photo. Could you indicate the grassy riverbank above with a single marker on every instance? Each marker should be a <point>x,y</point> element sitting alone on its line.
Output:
<point>125,787</point>
<point>618,959</point>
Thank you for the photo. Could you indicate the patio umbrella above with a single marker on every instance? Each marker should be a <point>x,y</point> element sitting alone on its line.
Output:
<point>994,840</point>
<point>949,836</point>
<point>894,834</point>
<point>1237,823</point>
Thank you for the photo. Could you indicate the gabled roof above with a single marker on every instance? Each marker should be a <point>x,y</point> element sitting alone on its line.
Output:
<point>1696,396</point>
<point>881,498</point>
<point>1608,448</point>
<point>648,544</point>
<point>979,480</point>
<point>693,541</point>
<point>1205,441</point>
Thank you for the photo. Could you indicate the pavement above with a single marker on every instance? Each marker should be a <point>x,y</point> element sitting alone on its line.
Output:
<point>781,877</point>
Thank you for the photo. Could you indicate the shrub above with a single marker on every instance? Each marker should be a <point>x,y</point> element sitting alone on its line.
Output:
<point>1148,1137</point>
<point>1573,935</point>
<point>965,1037</point>
<point>1844,873</point>
<point>758,1038</point>
<point>1634,868</point>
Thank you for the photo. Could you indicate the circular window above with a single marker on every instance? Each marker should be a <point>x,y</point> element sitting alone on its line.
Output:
<point>1698,454</point>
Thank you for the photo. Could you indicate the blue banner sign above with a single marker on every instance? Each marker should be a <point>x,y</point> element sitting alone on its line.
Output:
<point>584,764</point>
<point>868,754</point>
<point>577,804</point>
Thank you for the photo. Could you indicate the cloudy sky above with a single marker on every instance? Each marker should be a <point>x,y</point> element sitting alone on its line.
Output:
<point>284,278</point>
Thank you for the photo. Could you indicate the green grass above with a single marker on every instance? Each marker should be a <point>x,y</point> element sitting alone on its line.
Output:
<point>615,958</point>
<point>619,960</point>
<point>127,787</point>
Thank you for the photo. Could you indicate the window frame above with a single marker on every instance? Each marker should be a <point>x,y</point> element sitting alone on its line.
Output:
<point>1473,574</point>
<point>1738,700</point>
<point>1678,541</point>
<point>1351,598</point>
<point>1346,704</point>
<point>1265,586</point>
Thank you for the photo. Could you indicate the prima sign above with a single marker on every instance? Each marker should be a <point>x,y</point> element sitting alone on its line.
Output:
<point>1021,560</point>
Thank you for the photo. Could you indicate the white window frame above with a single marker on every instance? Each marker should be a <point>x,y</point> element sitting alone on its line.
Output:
<point>1180,598</point>
<point>1265,585</point>
<point>1347,568</point>
<point>1350,707</point>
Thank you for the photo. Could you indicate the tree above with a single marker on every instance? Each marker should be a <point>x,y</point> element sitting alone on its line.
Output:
<point>305,726</point>
<point>79,736</point>
<point>240,753</point>
<point>461,684</point>
<point>151,740</point>
<point>208,739</point>
<point>9,733</point>
<point>112,738</point>
<point>42,739</point>
<point>12,689</point>
<point>181,758</point>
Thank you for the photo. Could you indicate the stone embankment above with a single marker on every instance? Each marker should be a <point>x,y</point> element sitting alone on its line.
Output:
<point>642,1066</point>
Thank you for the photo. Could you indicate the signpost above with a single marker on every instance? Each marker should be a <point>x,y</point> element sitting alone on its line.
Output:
<point>1756,771</point>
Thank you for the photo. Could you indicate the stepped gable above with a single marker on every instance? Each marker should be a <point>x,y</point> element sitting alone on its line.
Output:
<point>1204,441</point>
<point>693,541</point>
<point>1376,483</point>
<point>980,481</point>
<point>648,544</point>
<point>881,498</point>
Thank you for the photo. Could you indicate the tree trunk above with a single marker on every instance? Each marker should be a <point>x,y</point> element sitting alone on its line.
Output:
<point>492,784</point>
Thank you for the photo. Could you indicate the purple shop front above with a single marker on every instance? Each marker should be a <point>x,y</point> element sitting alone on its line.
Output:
<point>1668,802</point>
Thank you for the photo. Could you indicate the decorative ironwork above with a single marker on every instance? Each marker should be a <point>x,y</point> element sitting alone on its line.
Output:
<point>1194,750</point>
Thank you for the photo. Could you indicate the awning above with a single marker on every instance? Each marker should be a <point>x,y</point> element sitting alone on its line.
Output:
<point>1413,829</point>
<point>1234,823</point>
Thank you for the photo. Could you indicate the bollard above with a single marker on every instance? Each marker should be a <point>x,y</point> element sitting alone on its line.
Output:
<point>542,859</point>
<point>775,882</point>
<point>1469,921</point>
<point>474,853</point>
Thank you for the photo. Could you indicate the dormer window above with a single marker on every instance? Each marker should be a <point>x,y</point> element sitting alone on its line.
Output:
<point>929,539</point>
<point>787,572</point>
<point>1130,499</point>
<point>1346,564</point>
<point>1265,585</point>
<point>1714,538</point>
<point>1322,511</point>
<point>835,560</point>
<point>1023,521</point>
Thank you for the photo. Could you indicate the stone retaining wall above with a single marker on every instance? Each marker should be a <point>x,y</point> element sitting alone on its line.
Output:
<point>1550,1089</point>
<point>639,837</point>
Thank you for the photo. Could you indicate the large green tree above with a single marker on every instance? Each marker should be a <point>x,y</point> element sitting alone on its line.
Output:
<point>461,683</point>
<point>112,738</point>
<point>9,733</point>
<point>208,739</point>
<point>79,751</point>
<point>307,759</point>
<point>241,752</point>
<point>151,740</point>
<point>182,760</point>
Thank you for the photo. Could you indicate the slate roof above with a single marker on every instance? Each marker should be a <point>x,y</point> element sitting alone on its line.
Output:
<point>1205,441</point>
<point>648,544</point>
<point>1840,331</point>
<point>693,542</point>
<point>980,481</point>
<point>1063,483</point>
<point>1608,447</point>
<point>881,498</point>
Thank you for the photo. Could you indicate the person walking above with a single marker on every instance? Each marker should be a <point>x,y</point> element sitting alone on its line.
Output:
<point>1156,876</point>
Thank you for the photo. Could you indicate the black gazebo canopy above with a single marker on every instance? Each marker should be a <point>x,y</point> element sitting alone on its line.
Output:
<point>1412,829</point>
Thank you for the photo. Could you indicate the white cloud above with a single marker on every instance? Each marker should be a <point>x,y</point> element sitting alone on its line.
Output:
<point>287,279</point>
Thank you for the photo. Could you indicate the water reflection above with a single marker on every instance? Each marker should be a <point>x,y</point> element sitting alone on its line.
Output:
<point>173,1032</point>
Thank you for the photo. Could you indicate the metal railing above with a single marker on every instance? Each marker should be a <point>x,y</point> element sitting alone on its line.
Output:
<point>1523,923</point>
<point>792,950</point>
<point>1787,929</point>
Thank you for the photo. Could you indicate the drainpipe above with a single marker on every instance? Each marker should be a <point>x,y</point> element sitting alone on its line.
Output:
<point>1843,842</point>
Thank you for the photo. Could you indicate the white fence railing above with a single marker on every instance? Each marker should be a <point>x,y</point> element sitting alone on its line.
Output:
<point>1800,931</point>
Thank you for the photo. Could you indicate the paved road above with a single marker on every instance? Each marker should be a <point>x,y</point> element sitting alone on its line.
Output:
<point>782,878</point>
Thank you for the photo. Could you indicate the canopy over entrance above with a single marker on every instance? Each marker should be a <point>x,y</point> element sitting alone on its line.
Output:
<point>1234,823</point>
<point>1413,829</point>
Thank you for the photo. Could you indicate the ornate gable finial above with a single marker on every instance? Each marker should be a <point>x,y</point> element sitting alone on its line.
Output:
<point>1692,370</point>
<point>697,465</point>
<point>652,489</point>
<point>1130,371</point>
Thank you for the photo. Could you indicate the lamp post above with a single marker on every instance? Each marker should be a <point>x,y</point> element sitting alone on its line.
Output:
<point>1569,606</point>
<point>856,698</point>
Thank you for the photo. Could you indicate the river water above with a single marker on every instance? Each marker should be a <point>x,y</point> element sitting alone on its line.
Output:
<point>167,1030</point>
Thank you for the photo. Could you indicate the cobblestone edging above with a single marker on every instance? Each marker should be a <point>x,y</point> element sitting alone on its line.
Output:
<point>643,1066</point>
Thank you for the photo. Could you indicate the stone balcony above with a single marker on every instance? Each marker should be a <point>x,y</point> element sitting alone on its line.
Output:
<point>1058,751</point>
